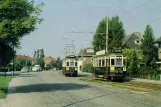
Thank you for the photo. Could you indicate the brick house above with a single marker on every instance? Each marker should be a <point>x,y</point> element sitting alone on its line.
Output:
<point>48,60</point>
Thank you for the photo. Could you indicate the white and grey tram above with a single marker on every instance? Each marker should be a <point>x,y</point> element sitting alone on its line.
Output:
<point>112,66</point>
<point>69,65</point>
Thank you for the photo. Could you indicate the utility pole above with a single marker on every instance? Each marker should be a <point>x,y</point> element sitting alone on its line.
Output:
<point>107,36</point>
<point>106,51</point>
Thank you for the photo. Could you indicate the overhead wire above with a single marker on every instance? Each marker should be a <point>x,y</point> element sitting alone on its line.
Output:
<point>138,7</point>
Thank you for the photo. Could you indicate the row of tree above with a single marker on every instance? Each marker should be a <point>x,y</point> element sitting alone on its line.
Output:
<point>146,54</point>
<point>17,19</point>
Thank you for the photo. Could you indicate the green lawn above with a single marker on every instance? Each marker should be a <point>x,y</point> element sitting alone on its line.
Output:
<point>4,86</point>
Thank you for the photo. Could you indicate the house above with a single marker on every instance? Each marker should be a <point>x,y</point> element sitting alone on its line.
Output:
<point>26,58</point>
<point>132,41</point>
<point>48,60</point>
<point>85,57</point>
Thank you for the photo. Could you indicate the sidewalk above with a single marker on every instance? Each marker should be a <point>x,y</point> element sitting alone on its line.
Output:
<point>147,81</point>
<point>133,79</point>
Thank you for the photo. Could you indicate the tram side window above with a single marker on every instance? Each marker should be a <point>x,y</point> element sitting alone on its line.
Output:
<point>75,63</point>
<point>119,61</point>
<point>112,61</point>
<point>99,62</point>
<point>67,63</point>
<point>124,62</point>
<point>103,62</point>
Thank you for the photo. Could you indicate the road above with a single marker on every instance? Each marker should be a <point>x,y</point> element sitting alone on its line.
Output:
<point>51,89</point>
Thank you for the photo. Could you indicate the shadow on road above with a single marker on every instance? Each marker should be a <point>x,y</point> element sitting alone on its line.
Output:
<point>46,87</point>
<point>25,75</point>
<point>81,75</point>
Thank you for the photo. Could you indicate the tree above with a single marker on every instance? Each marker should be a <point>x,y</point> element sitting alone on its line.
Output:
<point>153,64</point>
<point>59,64</point>
<point>99,39</point>
<point>129,55</point>
<point>18,18</point>
<point>41,53</point>
<point>133,68</point>
<point>40,62</point>
<point>53,64</point>
<point>116,34</point>
<point>35,54</point>
<point>147,45</point>
<point>38,53</point>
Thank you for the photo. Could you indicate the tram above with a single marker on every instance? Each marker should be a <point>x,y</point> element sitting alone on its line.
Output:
<point>111,66</point>
<point>69,65</point>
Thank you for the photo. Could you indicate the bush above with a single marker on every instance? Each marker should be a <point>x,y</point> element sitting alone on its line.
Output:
<point>88,68</point>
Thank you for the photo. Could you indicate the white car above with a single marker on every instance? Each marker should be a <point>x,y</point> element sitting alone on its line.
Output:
<point>35,69</point>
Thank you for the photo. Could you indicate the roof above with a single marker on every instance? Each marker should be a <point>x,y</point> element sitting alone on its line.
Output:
<point>128,37</point>
<point>48,59</point>
<point>85,53</point>
<point>23,57</point>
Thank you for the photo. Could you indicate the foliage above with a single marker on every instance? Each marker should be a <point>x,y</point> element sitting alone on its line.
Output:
<point>18,18</point>
<point>99,39</point>
<point>147,45</point>
<point>133,68</point>
<point>4,86</point>
<point>59,64</point>
<point>40,61</point>
<point>19,63</point>
<point>153,64</point>
<point>35,53</point>
<point>116,34</point>
<point>88,68</point>
<point>41,53</point>
<point>129,52</point>
<point>53,64</point>
<point>48,67</point>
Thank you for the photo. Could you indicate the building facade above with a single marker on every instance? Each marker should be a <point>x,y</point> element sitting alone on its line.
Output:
<point>85,57</point>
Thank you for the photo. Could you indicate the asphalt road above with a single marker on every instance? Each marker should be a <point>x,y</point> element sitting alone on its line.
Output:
<point>51,89</point>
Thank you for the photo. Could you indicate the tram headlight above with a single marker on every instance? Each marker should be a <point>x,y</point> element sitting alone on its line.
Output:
<point>76,68</point>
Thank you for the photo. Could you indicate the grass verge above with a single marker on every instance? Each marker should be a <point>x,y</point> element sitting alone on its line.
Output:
<point>131,85</point>
<point>4,86</point>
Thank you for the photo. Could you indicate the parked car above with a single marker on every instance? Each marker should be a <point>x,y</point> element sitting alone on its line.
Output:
<point>35,69</point>
<point>38,67</point>
<point>25,69</point>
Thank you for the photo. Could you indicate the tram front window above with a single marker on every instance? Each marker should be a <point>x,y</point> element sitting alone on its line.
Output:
<point>119,61</point>
<point>71,64</point>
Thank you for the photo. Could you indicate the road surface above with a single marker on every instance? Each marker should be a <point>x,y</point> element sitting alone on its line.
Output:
<point>51,89</point>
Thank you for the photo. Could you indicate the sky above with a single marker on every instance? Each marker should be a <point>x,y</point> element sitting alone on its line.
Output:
<point>61,16</point>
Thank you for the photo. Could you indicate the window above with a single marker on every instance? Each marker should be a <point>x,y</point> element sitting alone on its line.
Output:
<point>75,63</point>
<point>112,61</point>
<point>99,62</point>
<point>103,62</point>
<point>71,64</point>
<point>118,61</point>
<point>67,63</point>
<point>124,62</point>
